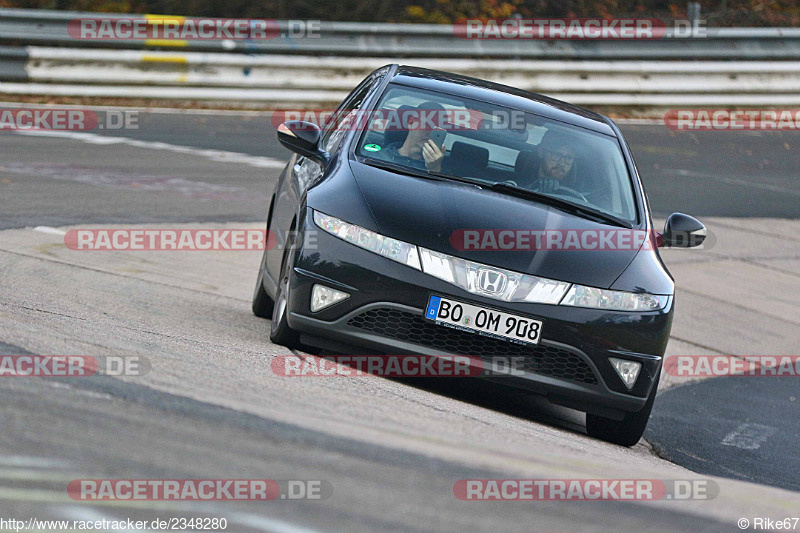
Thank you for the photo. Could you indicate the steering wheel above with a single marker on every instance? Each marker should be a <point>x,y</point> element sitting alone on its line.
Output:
<point>572,192</point>
<point>510,182</point>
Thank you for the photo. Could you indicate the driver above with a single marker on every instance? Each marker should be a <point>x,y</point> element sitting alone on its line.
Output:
<point>418,150</point>
<point>556,163</point>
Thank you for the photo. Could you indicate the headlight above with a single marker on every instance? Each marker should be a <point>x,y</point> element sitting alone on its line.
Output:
<point>393,249</point>
<point>580,296</point>
<point>497,283</point>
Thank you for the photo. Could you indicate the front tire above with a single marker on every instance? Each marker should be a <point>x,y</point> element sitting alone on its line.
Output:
<point>281,333</point>
<point>625,432</point>
<point>262,303</point>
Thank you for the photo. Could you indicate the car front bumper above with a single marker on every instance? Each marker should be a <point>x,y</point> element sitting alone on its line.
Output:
<point>384,315</point>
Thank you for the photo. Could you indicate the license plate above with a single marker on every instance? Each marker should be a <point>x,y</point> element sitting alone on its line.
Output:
<point>489,322</point>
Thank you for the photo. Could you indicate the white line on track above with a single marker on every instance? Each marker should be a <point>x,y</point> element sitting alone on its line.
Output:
<point>268,524</point>
<point>749,436</point>
<point>219,156</point>
<point>31,461</point>
<point>49,230</point>
<point>733,181</point>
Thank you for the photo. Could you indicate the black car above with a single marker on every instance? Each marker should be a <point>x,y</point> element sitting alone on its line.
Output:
<point>481,230</point>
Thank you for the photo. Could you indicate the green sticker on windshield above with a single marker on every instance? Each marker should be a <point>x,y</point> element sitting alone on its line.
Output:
<point>372,147</point>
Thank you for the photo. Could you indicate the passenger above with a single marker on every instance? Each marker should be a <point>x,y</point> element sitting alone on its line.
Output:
<point>418,150</point>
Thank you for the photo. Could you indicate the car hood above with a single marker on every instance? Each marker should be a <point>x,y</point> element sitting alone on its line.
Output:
<point>431,213</point>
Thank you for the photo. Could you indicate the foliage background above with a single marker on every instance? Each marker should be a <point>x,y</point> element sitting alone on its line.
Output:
<point>715,12</point>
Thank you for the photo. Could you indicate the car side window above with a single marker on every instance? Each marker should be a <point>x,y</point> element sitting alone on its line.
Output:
<point>340,121</point>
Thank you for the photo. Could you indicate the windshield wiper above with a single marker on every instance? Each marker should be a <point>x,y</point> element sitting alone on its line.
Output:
<point>563,205</point>
<point>429,174</point>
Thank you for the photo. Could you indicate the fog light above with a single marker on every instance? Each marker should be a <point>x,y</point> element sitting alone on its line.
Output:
<point>322,297</point>
<point>628,371</point>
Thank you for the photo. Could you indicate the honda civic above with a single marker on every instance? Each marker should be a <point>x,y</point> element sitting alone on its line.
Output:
<point>435,215</point>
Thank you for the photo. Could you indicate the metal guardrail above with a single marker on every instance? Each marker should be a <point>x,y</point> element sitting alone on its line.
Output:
<point>43,27</point>
<point>98,67</point>
<point>326,80</point>
<point>321,71</point>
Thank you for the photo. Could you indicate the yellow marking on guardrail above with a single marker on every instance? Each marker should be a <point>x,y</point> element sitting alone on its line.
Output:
<point>160,19</point>
<point>164,59</point>
<point>165,42</point>
<point>155,20</point>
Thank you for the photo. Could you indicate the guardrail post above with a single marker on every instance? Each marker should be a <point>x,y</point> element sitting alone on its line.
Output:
<point>693,13</point>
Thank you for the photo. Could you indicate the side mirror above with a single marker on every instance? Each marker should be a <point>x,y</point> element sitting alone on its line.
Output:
<point>683,231</point>
<point>303,138</point>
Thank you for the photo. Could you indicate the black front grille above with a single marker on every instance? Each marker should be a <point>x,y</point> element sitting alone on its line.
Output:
<point>408,327</point>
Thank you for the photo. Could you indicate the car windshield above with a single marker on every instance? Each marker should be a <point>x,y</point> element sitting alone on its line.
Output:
<point>444,135</point>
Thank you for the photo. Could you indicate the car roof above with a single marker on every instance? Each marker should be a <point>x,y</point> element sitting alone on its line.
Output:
<point>504,95</point>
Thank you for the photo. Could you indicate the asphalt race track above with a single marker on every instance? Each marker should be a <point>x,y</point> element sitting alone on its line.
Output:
<point>390,451</point>
<point>761,406</point>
